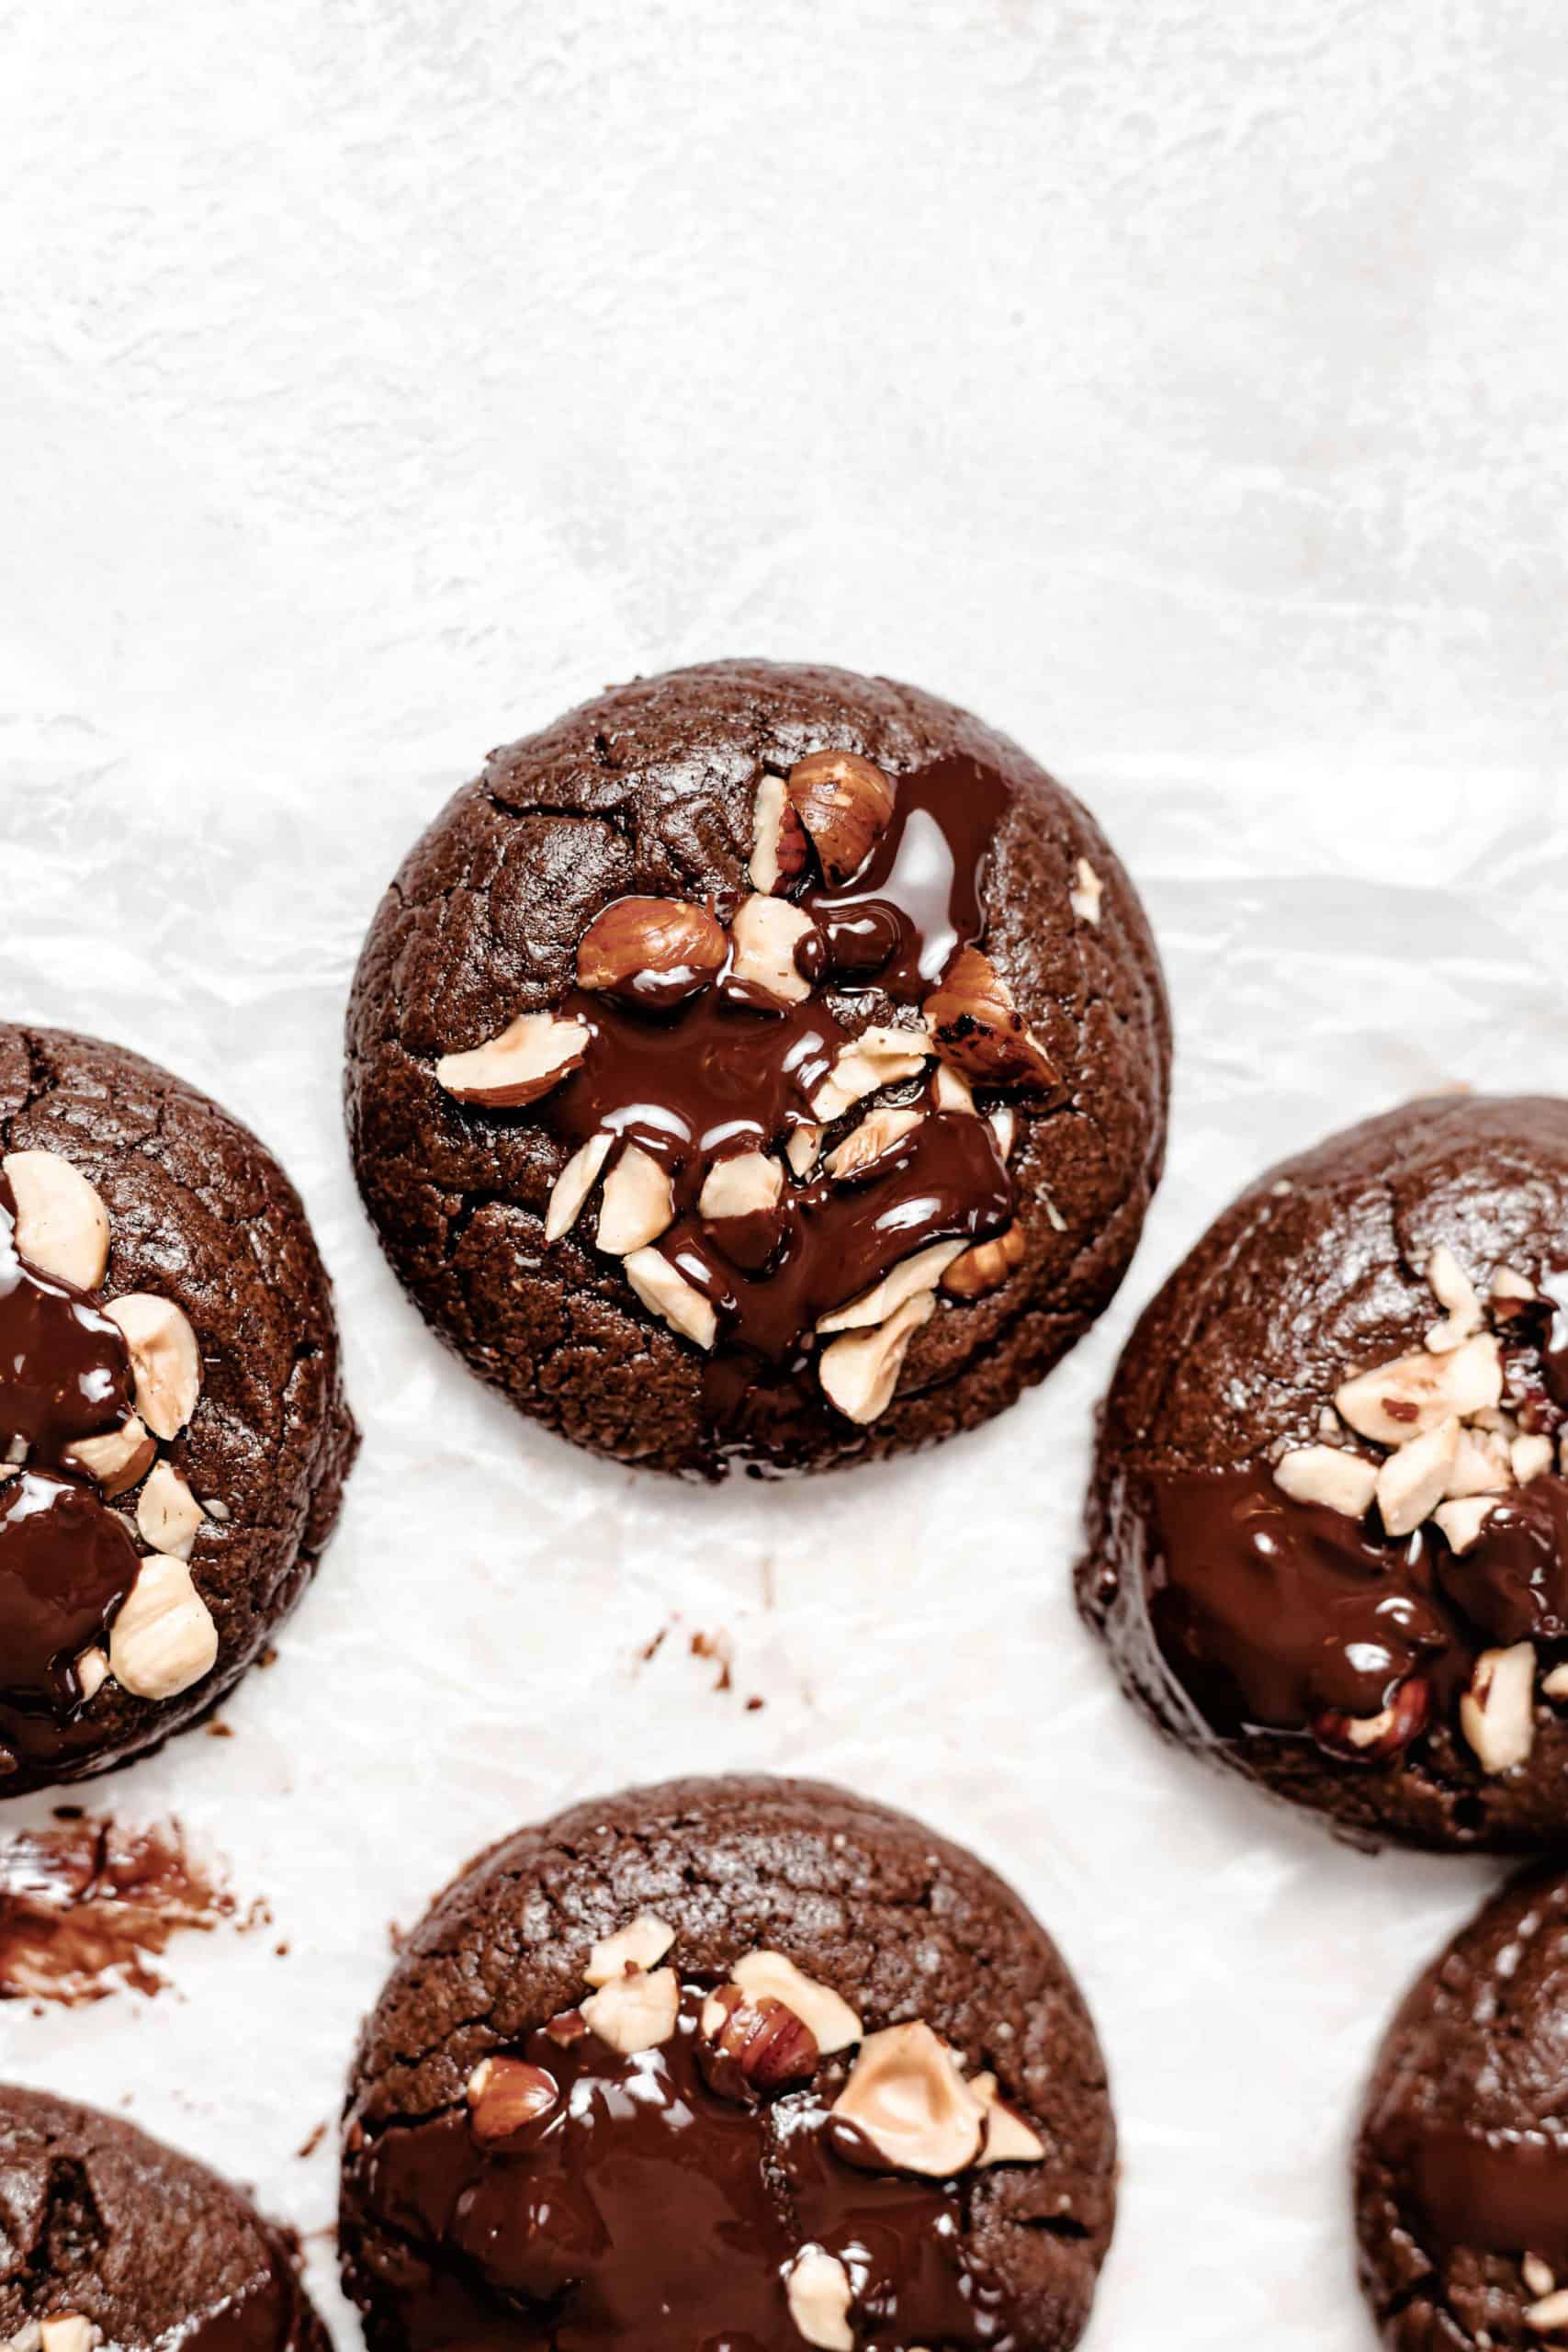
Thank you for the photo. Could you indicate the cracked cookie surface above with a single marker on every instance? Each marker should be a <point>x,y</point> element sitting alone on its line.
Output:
<point>1329,1527</point>
<point>105,2227</point>
<point>202,1540</point>
<point>858,1909</point>
<point>656,793</point>
<point>1461,2163</point>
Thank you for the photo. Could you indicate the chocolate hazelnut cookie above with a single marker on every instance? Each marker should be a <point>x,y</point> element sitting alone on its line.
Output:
<point>762,1066</point>
<point>107,2237</point>
<point>173,1432</point>
<point>1462,2166</point>
<point>740,2062</point>
<point>1328,1534</point>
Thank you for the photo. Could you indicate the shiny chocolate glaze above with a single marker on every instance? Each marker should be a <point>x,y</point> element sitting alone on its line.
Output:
<point>658,2203</point>
<point>1273,1613</point>
<point>729,1071</point>
<point>66,1561</point>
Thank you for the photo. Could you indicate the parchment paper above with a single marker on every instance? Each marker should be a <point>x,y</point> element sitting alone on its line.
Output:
<point>1178,385</point>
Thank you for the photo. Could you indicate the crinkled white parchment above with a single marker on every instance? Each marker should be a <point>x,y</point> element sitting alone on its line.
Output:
<point>1178,385</point>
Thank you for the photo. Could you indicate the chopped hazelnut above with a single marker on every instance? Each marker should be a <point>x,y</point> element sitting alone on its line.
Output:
<point>985,1265</point>
<point>907,2097</point>
<point>1531,1458</point>
<point>655,952</point>
<point>165,1360</point>
<point>747,1184</point>
<point>163,1639</point>
<point>769,2043</point>
<point>1413,1482</point>
<point>667,1294</point>
<point>779,847</point>
<point>505,2095</point>
<point>69,2333</point>
<point>1086,892</point>
<point>1325,1475</point>
<point>634,2012</point>
<point>574,1184</point>
<point>1464,1523</point>
<point>801,1150</point>
<point>830,2020</point>
<point>872,1141</point>
<point>1496,1713</point>
<point>643,1945</point>
<point>62,1226</point>
<point>819,2298</point>
<point>1009,2139</point>
<point>845,803</point>
<point>1482,1465</point>
<point>167,1513</point>
<point>636,1203</point>
<point>1549,2316</point>
<point>766,934</point>
<point>860,1372</point>
<point>908,1280</point>
<point>1402,1400</point>
<point>1454,1292</point>
<point>1538,2275</point>
<point>949,1091</point>
<point>880,1056</point>
<point>976,1026</point>
<point>528,1057</point>
<point>92,1673</point>
<point>117,1460</point>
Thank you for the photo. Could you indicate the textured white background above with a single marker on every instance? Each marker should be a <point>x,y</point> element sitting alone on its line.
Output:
<point>1178,382</point>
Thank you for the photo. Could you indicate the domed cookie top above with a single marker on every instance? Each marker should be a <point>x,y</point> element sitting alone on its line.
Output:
<point>738,2061</point>
<point>1329,1527</point>
<point>760,1066</point>
<point>107,2238</point>
<point>172,1433</point>
<point>1462,2166</point>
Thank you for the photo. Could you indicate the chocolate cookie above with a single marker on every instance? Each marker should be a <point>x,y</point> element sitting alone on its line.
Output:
<point>1461,2168</point>
<point>106,2237</point>
<point>740,2062</point>
<point>173,1432</point>
<point>762,1066</point>
<point>1328,1535</point>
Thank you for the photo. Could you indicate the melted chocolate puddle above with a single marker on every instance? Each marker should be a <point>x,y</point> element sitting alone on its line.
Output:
<point>729,1072</point>
<point>87,1906</point>
<point>646,2208</point>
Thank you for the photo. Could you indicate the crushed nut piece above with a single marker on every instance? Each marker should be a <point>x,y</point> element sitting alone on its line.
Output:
<point>801,1150</point>
<point>670,1296</point>
<point>505,2095</point>
<point>949,1091</point>
<point>165,1360</point>
<point>118,1459</point>
<point>574,1184</point>
<point>1454,1292</point>
<point>1508,1285</point>
<point>845,803</point>
<point>634,2012</point>
<point>747,1184</point>
<point>830,2020</point>
<point>769,2043</point>
<point>907,2097</point>
<point>878,1057</point>
<point>636,1204</point>
<point>651,951</point>
<point>1531,1458</point>
<point>1482,1465</point>
<point>62,1226</point>
<point>819,2298</point>
<point>1549,2316</point>
<point>1009,2139</point>
<point>875,1138</point>
<point>1539,2277</point>
<point>531,1054</point>
<point>92,1673</point>
<point>987,1264</point>
<point>766,933</point>
<point>643,1945</point>
<point>1462,1523</point>
<point>779,846</point>
<point>908,1279</point>
<point>860,1372</point>
<point>1555,1684</point>
<point>1413,1482</point>
<point>1003,1125</point>
<point>1325,1475</point>
<point>1496,1713</point>
<point>1086,892</point>
<point>167,1513</point>
<point>164,1639</point>
<point>977,1027</point>
<point>1405,1399</point>
<point>69,2333</point>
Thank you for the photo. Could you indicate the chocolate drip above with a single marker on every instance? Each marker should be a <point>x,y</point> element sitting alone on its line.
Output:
<point>1272,1611</point>
<point>66,1562</point>
<point>1514,1585</point>
<point>1491,2193</point>
<point>268,2315</point>
<point>645,2208</point>
<point>730,1071</point>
